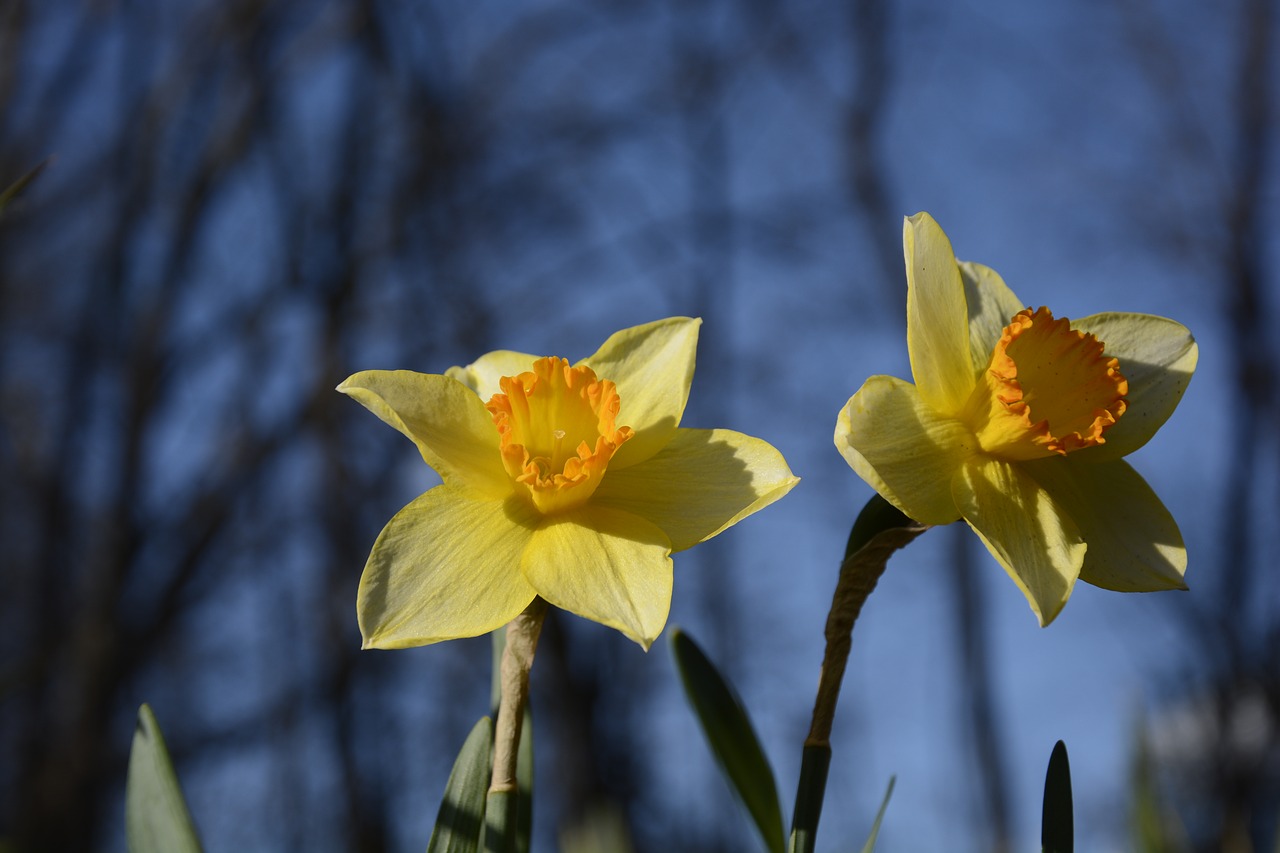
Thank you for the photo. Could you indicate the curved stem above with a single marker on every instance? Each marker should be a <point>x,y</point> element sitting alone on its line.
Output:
<point>879,531</point>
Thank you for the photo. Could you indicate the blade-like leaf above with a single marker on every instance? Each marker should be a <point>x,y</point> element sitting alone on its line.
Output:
<point>156,816</point>
<point>500,822</point>
<point>524,784</point>
<point>733,740</point>
<point>461,814</point>
<point>870,846</point>
<point>1057,831</point>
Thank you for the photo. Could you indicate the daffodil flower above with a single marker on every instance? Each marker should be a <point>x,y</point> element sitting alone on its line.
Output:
<point>570,482</point>
<point>1017,423</point>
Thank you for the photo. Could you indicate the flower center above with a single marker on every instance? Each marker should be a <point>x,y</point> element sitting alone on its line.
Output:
<point>1047,389</point>
<point>557,431</point>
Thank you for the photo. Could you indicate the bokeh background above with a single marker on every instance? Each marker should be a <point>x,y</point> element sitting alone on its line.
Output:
<point>245,201</point>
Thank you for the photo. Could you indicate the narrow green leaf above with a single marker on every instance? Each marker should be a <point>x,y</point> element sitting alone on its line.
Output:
<point>156,816</point>
<point>731,737</point>
<point>524,784</point>
<point>870,846</point>
<point>461,814</point>
<point>1057,831</point>
<point>500,822</point>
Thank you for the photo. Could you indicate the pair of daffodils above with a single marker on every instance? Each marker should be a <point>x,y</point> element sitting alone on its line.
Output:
<point>576,482</point>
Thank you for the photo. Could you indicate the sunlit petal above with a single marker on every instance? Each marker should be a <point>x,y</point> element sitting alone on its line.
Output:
<point>1158,357</point>
<point>903,448</point>
<point>446,566</point>
<point>937,317</point>
<point>1038,544</point>
<point>652,366</point>
<point>605,565</point>
<point>1134,543</point>
<point>482,375</point>
<point>699,484</point>
<point>448,423</point>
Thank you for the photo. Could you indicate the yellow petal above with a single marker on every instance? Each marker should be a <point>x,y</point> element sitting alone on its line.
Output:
<point>482,375</point>
<point>904,449</point>
<point>1038,544</point>
<point>652,365</point>
<point>448,423</point>
<point>605,565</point>
<point>704,481</point>
<point>937,317</point>
<point>1134,543</point>
<point>446,566</point>
<point>1158,357</point>
<point>991,305</point>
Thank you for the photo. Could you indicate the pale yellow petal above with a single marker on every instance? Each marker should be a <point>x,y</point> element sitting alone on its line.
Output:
<point>991,306</point>
<point>1038,544</point>
<point>652,365</point>
<point>482,375</point>
<point>702,482</point>
<point>904,449</point>
<point>446,566</point>
<point>1158,357</point>
<point>1134,543</point>
<point>937,317</point>
<point>605,565</point>
<point>448,423</point>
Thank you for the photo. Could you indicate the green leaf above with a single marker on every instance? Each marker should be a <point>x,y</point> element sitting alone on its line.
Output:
<point>731,737</point>
<point>461,814</point>
<point>870,846</point>
<point>500,822</point>
<point>524,784</point>
<point>1057,832</point>
<point>155,813</point>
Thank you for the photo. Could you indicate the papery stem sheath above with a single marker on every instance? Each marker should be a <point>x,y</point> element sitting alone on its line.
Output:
<point>517,660</point>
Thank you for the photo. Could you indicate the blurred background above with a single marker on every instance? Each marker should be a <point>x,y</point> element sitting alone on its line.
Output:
<point>245,201</point>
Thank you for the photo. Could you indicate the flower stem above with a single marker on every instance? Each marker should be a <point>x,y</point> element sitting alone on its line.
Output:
<point>879,531</point>
<point>517,659</point>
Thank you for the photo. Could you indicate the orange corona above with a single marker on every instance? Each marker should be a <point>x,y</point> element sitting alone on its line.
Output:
<point>1048,389</point>
<point>557,428</point>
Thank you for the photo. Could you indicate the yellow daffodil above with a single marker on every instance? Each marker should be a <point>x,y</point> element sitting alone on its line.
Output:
<point>1017,423</point>
<point>570,482</point>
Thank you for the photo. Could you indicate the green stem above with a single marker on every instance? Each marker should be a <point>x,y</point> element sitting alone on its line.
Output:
<point>517,659</point>
<point>879,531</point>
<point>813,783</point>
